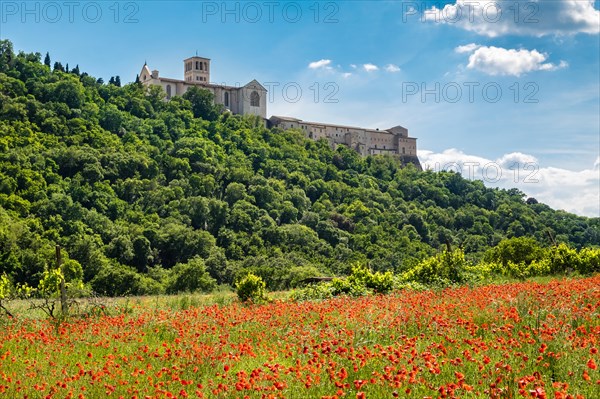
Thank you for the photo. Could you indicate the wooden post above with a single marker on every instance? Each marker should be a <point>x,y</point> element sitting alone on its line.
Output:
<point>448,246</point>
<point>63,289</point>
<point>551,238</point>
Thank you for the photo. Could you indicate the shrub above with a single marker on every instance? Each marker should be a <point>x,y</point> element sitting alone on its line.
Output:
<point>251,288</point>
<point>5,292</point>
<point>480,272</point>
<point>589,261</point>
<point>72,270</point>
<point>381,283</point>
<point>118,280</point>
<point>516,250</point>
<point>346,286</point>
<point>5,287</point>
<point>279,272</point>
<point>190,277</point>
<point>409,285</point>
<point>539,267</point>
<point>313,292</point>
<point>523,258</point>
<point>443,269</point>
<point>360,282</point>
<point>563,259</point>
<point>50,282</point>
<point>517,270</point>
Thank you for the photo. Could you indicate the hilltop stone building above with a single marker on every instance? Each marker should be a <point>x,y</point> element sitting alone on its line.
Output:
<point>251,99</point>
<point>393,141</point>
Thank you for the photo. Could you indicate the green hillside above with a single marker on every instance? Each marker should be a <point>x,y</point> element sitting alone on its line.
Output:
<point>131,186</point>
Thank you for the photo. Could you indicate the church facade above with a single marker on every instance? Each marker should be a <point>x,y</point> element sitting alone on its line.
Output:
<point>251,99</point>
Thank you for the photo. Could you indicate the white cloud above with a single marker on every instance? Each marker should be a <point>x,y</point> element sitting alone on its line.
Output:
<point>370,67</point>
<point>516,158</point>
<point>571,190</point>
<point>467,48</point>
<point>500,61</point>
<point>320,64</point>
<point>519,17</point>
<point>326,64</point>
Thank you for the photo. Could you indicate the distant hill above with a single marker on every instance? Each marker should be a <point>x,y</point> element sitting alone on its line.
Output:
<point>130,185</point>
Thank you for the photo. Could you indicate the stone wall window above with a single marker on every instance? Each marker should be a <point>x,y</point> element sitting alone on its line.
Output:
<point>254,99</point>
<point>226,99</point>
<point>168,91</point>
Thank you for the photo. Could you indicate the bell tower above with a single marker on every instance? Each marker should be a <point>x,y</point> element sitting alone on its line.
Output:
<point>196,70</point>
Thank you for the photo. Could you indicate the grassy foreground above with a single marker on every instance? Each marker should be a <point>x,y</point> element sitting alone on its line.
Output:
<point>500,341</point>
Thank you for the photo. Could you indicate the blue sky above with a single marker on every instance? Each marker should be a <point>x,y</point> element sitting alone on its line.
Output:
<point>504,91</point>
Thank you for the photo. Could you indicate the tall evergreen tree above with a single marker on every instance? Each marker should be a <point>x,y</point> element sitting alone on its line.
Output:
<point>58,67</point>
<point>7,55</point>
<point>111,81</point>
<point>47,60</point>
<point>67,68</point>
<point>75,71</point>
<point>118,81</point>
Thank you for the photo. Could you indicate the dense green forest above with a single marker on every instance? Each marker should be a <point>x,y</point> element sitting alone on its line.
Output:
<point>146,196</point>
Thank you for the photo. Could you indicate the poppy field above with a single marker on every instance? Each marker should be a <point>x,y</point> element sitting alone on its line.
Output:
<point>513,340</point>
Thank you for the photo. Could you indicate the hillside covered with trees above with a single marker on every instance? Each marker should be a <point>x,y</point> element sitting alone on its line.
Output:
<point>147,196</point>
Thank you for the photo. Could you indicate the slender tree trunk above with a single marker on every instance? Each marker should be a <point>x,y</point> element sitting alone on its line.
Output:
<point>63,290</point>
<point>6,310</point>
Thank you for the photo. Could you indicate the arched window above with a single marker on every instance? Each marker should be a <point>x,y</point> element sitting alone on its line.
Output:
<point>254,99</point>
<point>197,65</point>
<point>201,65</point>
<point>226,99</point>
<point>168,92</point>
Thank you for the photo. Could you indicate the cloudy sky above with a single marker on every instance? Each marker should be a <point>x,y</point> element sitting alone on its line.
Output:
<point>503,91</point>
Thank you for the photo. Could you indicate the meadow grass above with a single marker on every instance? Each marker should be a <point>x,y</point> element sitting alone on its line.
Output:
<point>520,339</point>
